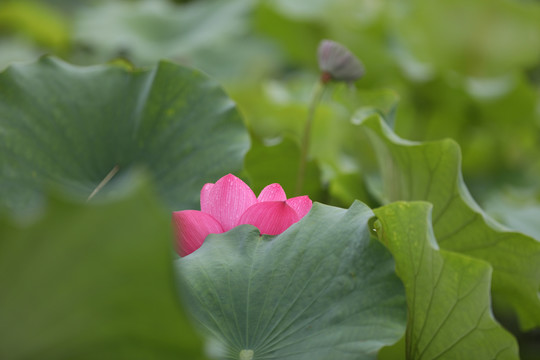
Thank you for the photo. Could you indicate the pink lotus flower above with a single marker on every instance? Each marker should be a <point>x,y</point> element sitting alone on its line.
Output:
<point>229,203</point>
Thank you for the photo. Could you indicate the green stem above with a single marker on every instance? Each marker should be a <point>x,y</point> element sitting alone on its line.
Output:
<point>317,95</point>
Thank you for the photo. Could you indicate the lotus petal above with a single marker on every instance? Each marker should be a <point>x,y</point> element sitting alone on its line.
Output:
<point>227,200</point>
<point>192,227</point>
<point>270,217</point>
<point>272,192</point>
<point>300,204</point>
<point>205,197</point>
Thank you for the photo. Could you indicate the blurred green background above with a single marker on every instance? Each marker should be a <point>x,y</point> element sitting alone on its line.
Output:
<point>464,69</point>
<point>469,70</point>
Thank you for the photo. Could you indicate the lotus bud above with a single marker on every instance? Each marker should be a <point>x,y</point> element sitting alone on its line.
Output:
<point>337,63</point>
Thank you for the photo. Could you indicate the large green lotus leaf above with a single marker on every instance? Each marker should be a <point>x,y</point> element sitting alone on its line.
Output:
<point>323,289</point>
<point>430,171</point>
<point>12,50</point>
<point>448,294</point>
<point>92,281</point>
<point>70,126</point>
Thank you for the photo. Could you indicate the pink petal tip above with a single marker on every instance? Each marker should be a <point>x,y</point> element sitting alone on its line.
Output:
<point>205,197</point>
<point>300,204</point>
<point>272,192</point>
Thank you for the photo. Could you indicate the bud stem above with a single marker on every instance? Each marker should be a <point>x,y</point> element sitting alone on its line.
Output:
<point>317,96</point>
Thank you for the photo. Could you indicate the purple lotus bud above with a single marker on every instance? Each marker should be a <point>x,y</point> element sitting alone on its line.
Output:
<point>338,63</point>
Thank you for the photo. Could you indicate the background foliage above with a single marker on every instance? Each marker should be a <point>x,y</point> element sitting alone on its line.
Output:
<point>466,70</point>
<point>480,90</point>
